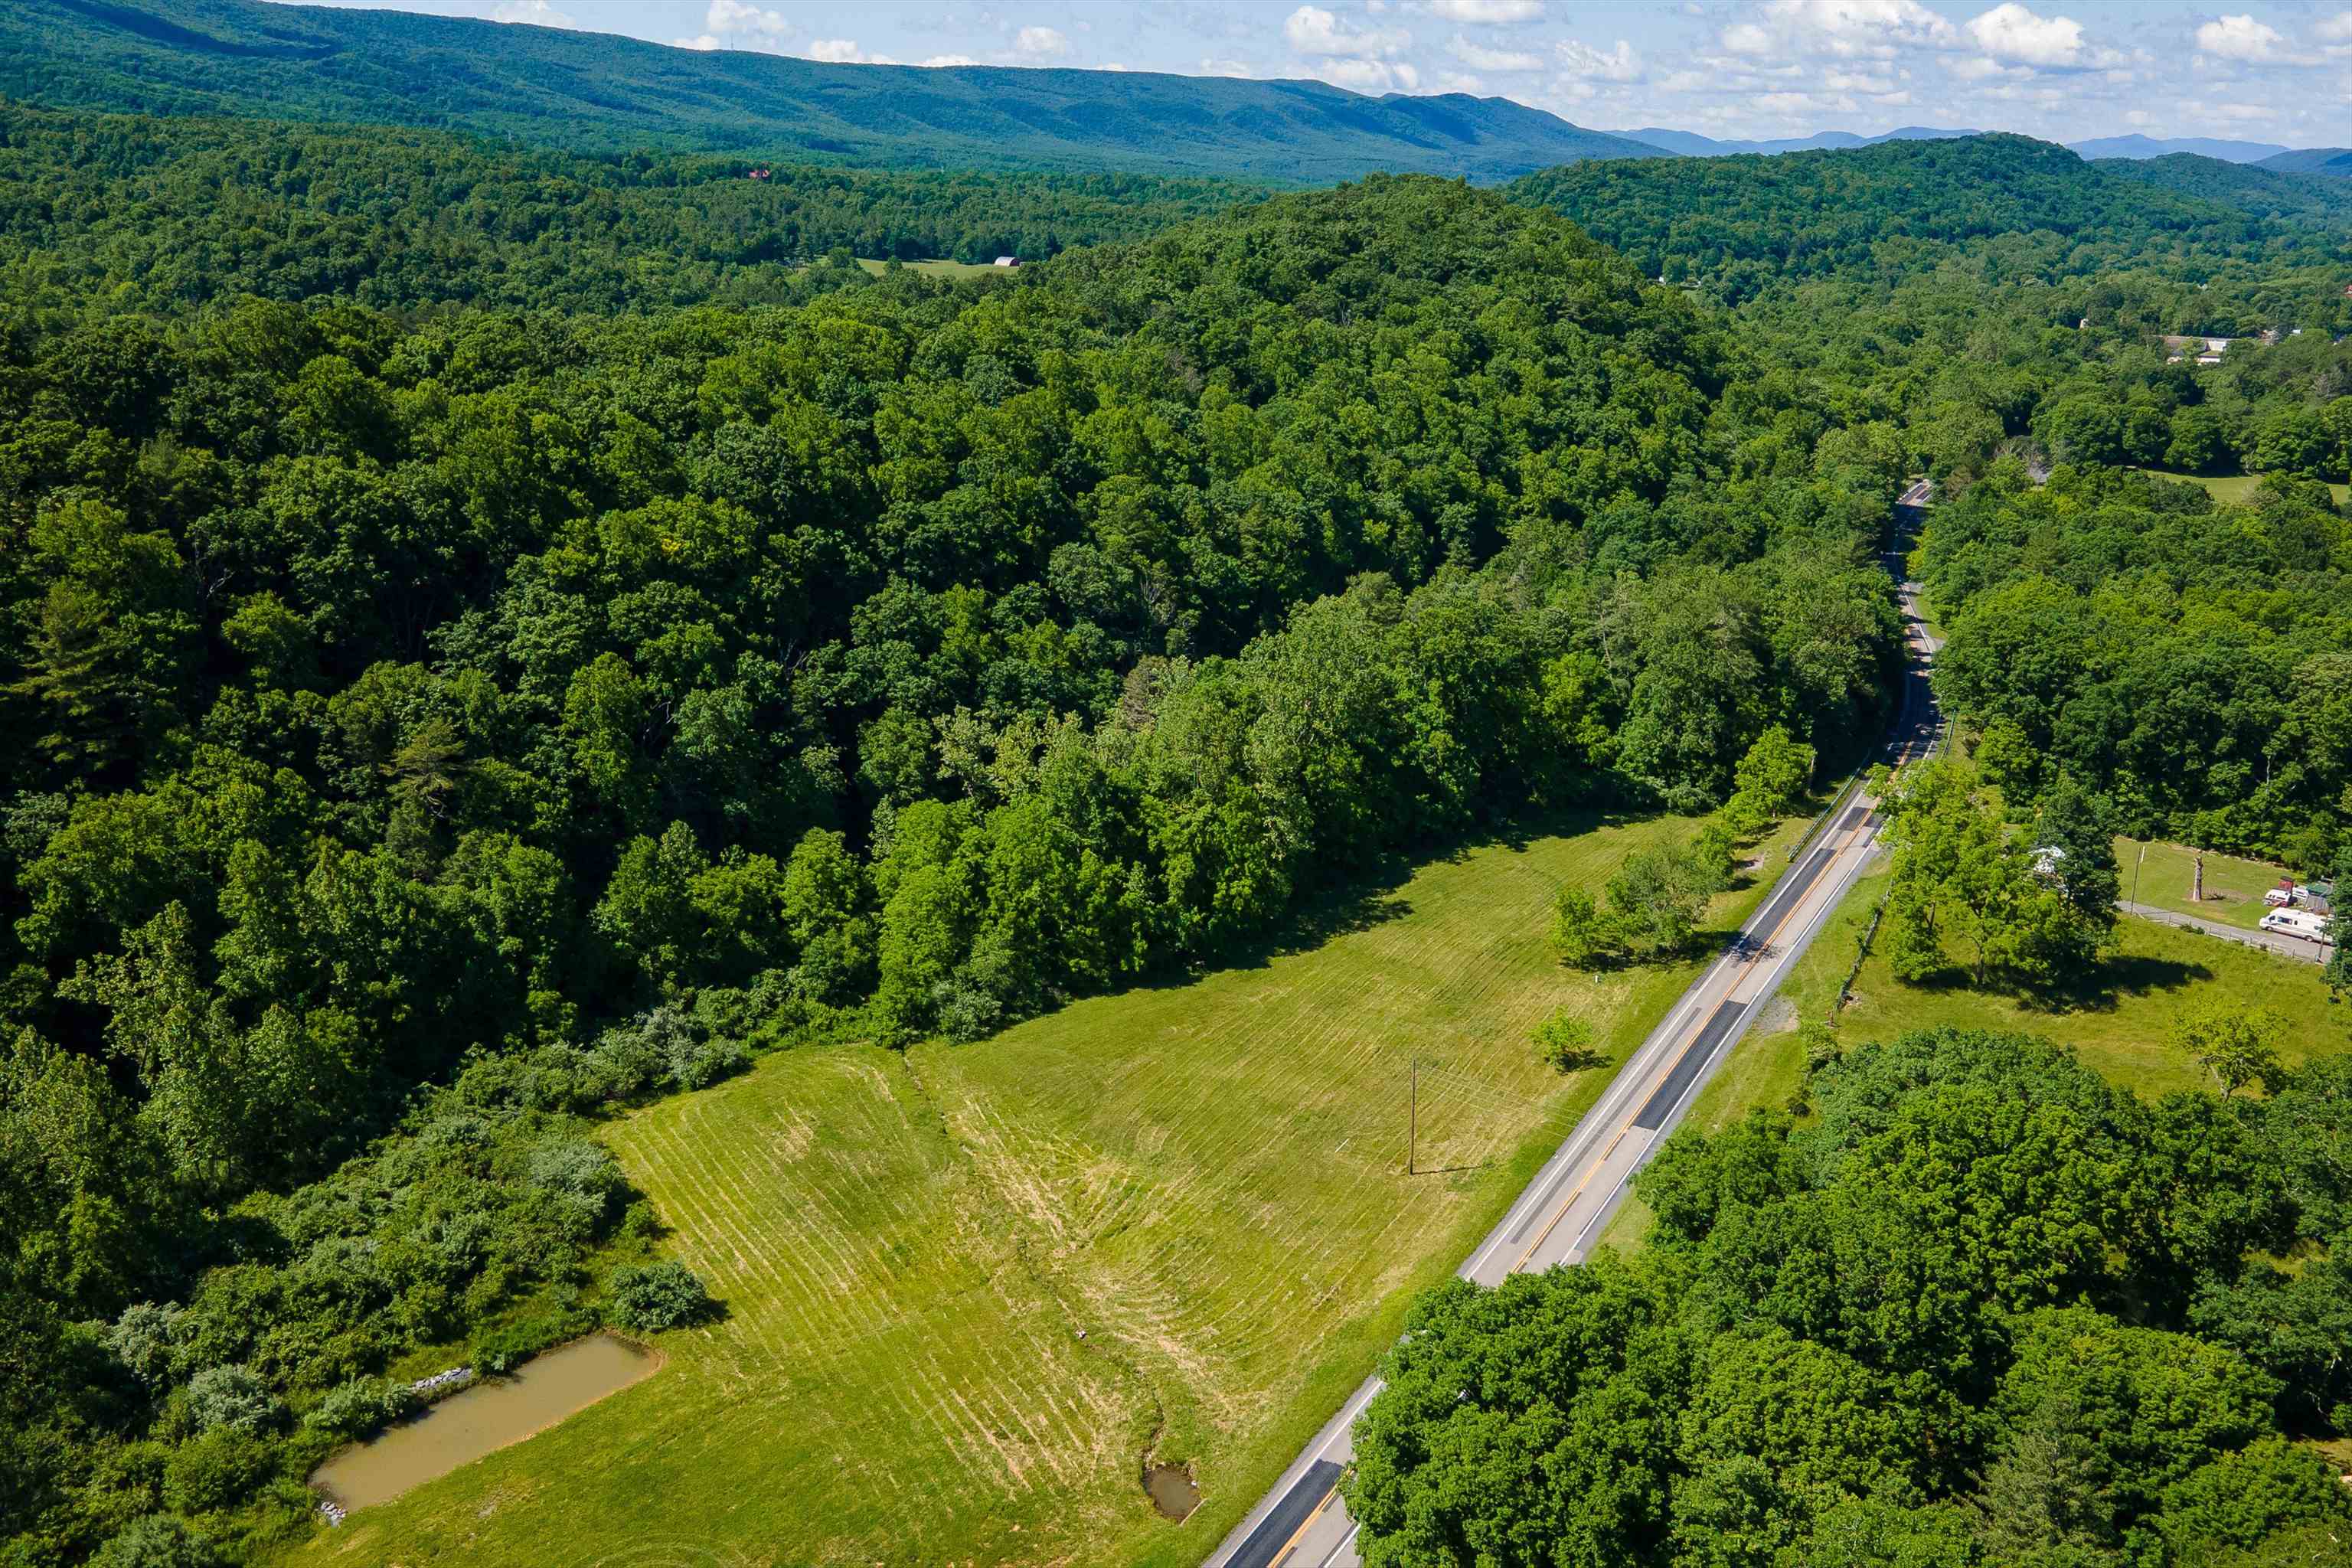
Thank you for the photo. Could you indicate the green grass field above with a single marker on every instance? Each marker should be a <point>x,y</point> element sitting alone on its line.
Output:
<point>933,268</point>
<point>1205,1179</point>
<point>2124,1037</point>
<point>2233,489</point>
<point>2164,875</point>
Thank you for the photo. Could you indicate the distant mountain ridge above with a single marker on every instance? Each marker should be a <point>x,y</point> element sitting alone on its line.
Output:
<point>2331,161</point>
<point>600,93</point>
<point>1691,144</point>
<point>2137,146</point>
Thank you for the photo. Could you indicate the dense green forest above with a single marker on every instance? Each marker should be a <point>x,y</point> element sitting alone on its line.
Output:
<point>1982,1309</point>
<point>603,93</point>
<point>2191,662</point>
<point>451,725</point>
<point>492,639</point>
<point>164,215</point>
<point>2014,210</point>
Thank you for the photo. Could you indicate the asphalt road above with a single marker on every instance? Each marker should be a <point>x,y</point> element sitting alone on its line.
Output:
<point>1302,1523</point>
<point>2273,941</point>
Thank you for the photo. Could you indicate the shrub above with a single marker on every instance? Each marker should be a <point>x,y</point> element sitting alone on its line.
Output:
<point>217,1470</point>
<point>698,1065</point>
<point>1566,1042</point>
<point>508,1346</point>
<point>145,1338</point>
<point>232,1397</point>
<point>159,1541</point>
<point>579,1172</point>
<point>648,1297</point>
<point>361,1407</point>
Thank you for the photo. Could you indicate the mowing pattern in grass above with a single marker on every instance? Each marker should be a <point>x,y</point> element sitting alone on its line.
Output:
<point>1207,1180</point>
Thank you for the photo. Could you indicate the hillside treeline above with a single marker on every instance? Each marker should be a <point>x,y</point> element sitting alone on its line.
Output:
<point>540,706</point>
<point>164,215</point>
<point>2016,209</point>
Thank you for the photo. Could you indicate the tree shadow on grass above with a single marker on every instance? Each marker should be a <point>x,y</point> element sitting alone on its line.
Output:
<point>2097,988</point>
<point>1367,895</point>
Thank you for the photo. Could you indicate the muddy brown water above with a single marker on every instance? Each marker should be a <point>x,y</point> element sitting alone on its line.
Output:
<point>493,1414</point>
<point>1172,1488</point>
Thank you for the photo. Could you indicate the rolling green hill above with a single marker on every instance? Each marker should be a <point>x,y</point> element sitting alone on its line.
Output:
<point>1738,225</point>
<point>595,91</point>
<point>2332,160</point>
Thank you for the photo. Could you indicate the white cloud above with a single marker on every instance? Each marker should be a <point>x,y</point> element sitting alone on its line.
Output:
<point>538,13</point>
<point>1873,28</point>
<point>844,52</point>
<point>937,60</point>
<point>1366,75</point>
<point>2012,33</point>
<point>2239,38</point>
<point>729,17</point>
<point>1487,10</point>
<point>1977,68</point>
<point>2336,29</point>
<point>704,42</point>
<point>1620,64</point>
<point>1312,30</point>
<point>1044,43</point>
<point>1210,66</point>
<point>1479,57</point>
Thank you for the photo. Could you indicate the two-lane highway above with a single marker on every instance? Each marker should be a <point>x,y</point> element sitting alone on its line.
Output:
<point>1302,1523</point>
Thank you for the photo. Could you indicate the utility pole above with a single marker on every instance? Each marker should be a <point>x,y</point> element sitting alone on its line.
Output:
<point>1413,1119</point>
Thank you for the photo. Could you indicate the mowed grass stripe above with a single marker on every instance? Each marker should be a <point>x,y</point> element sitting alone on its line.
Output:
<point>1206,1179</point>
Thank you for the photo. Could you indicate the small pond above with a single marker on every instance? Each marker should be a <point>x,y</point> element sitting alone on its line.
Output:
<point>1172,1491</point>
<point>491,1415</point>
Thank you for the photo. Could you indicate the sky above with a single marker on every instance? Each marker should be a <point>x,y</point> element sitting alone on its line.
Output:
<point>2281,72</point>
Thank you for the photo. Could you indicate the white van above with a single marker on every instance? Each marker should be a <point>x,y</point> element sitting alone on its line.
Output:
<point>2278,898</point>
<point>2296,924</point>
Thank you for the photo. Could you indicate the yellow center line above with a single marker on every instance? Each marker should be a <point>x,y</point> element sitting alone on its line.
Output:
<point>1291,1545</point>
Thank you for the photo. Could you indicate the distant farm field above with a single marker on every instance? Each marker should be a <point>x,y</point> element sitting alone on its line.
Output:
<point>933,268</point>
<point>2235,490</point>
<point>971,1288</point>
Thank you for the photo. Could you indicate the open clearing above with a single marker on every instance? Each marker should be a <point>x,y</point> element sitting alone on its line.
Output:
<point>2235,490</point>
<point>2163,875</point>
<point>936,269</point>
<point>2124,1035</point>
<point>1206,1179</point>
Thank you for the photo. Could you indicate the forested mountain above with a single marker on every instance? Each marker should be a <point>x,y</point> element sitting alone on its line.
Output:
<point>1739,225</point>
<point>2249,188</point>
<point>601,92</point>
<point>174,213</point>
<point>1689,143</point>
<point>2334,161</point>
<point>455,722</point>
<point>2138,146</point>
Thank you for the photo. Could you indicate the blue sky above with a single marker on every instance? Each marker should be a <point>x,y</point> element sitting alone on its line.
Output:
<point>2278,72</point>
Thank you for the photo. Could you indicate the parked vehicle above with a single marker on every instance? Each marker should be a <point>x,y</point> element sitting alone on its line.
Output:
<point>2278,898</point>
<point>2295,923</point>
